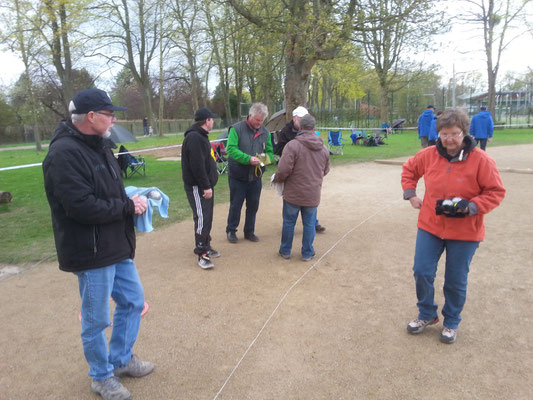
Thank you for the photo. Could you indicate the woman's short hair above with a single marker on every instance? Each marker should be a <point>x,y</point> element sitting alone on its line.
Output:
<point>258,109</point>
<point>453,117</point>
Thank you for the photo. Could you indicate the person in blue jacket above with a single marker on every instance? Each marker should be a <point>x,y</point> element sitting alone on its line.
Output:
<point>433,134</point>
<point>424,125</point>
<point>482,127</point>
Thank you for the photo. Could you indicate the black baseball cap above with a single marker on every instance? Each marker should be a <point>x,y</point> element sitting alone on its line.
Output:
<point>204,113</point>
<point>92,100</point>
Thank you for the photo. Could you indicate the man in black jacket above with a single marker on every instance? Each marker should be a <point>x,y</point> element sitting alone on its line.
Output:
<point>92,220</point>
<point>200,175</point>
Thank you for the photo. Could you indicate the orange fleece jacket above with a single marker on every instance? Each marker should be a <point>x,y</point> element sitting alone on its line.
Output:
<point>475,179</point>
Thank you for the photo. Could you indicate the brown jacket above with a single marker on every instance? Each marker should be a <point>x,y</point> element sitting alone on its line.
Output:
<point>302,167</point>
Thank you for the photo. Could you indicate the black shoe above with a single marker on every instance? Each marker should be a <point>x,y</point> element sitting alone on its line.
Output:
<point>232,237</point>
<point>251,237</point>
<point>320,229</point>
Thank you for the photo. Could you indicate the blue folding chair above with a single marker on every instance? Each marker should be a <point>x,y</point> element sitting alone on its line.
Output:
<point>356,136</point>
<point>335,143</point>
<point>129,164</point>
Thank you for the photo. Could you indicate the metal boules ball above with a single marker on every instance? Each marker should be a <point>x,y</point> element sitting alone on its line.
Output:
<point>154,195</point>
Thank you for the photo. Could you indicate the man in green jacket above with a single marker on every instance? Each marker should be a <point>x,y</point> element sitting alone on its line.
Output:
<point>248,145</point>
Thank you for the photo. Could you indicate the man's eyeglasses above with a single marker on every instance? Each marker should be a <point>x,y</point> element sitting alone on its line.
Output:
<point>452,135</point>
<point>112,116</point>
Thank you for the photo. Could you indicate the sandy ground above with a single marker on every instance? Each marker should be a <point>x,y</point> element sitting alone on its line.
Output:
<point>260,327</point>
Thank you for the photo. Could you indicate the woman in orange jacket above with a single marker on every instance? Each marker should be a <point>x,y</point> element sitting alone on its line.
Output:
<point>462,185</point>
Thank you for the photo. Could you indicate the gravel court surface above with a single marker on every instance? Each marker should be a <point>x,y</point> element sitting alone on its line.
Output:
<point>339,334</point>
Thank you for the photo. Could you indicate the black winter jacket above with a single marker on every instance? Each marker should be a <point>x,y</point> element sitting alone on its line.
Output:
<point>288,133</point>
<point>198,167</point>
<point>92,217</point>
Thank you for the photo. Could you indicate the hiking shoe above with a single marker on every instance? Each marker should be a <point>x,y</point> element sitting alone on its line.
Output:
<point>232,237</point>
<point>418,325</point>
<point>212,253</point>
<point>448,335</point>
<point>320,229</point>
<point>204,262</point>
<point>251,237</point>
<point>285,256</point>
<point>110,389</point>
<point>308,258</point>
<point>135,368</point>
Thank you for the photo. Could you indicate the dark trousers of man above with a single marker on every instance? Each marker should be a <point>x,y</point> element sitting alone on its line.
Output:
<point>238,192</point>
<point>482,143</point>
<point>202,214</point>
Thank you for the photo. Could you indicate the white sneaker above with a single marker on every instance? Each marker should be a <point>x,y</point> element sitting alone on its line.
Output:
<point>448,335</point>
<point>418,325</point>
<point>212,253</point>
<point>205,262</point>
<point>110,389</point>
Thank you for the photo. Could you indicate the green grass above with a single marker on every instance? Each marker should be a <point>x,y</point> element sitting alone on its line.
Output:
<point>26,225</point>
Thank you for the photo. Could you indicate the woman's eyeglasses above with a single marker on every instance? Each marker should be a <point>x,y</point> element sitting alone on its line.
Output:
<point>452,135</point>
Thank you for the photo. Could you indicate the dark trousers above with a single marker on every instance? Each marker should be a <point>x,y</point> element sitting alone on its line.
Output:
<point>202,214</point>
<point>482,143</point>
<point>238,192</point>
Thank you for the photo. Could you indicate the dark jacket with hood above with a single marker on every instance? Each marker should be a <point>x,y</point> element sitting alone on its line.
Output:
<point>288,133</point>
<point>92,217</point>
<point>302,167</point>
<point>198,167</point>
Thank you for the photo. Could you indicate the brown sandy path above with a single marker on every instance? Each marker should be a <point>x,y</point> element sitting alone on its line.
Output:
<point>339,334</point>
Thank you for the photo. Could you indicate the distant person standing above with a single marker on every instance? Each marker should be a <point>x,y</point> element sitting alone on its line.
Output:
<point>433,134</point>
<point>200,175</point>
<point>92,220</point>
<point>301,168</point>
<point>424,125</point>
<point>482,127</point>
<point>247,141</point>
<point>145,126</point>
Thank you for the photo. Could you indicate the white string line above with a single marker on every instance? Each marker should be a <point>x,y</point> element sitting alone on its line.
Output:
<point>117,154</point>
<point>292,287</point>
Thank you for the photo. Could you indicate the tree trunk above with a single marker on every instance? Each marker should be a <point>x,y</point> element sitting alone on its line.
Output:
<point>161,79</point>
<point>384,102</point>
<point>297,72</point>
<point>25,59</point>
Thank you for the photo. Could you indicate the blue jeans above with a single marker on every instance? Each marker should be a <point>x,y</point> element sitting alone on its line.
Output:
<point>121,282</point>
<point>238,192</point>
<point>482,143</point>
<point>459,254</point>
<point>290,215</point>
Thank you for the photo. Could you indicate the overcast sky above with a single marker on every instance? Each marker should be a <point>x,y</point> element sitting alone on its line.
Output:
<point>462,48</point>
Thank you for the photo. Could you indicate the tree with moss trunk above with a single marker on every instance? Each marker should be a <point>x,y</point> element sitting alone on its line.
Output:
<point>312,30</point>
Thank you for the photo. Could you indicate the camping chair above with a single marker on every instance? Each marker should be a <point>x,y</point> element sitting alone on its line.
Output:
<point>335,143</point>
<point>129,164</point>
<point>376,133</point>
<point>219,152</point>
<point>356,136</point>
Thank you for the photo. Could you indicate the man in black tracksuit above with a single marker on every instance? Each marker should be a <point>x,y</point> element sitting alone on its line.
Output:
<point>200,175</point>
